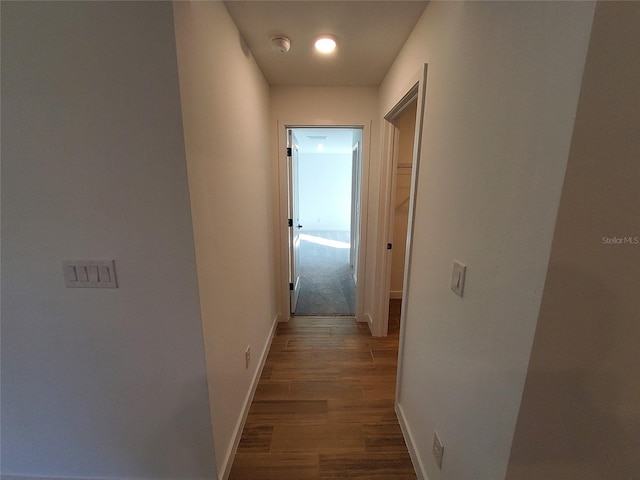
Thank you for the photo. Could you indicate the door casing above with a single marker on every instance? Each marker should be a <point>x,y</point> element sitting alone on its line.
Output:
<point>283,213</point>
<point>385,234</point>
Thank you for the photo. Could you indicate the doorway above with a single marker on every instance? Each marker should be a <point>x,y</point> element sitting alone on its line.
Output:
<point>324,172</point>
<point>405,124</point>
<point>389,178</point>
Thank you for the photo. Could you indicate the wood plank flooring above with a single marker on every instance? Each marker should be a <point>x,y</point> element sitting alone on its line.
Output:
<point>323,409</point>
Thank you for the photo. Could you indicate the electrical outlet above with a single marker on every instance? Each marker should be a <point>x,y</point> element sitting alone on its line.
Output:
<point>438,449</point>
<point>247,357</point>
<point>457,277</point>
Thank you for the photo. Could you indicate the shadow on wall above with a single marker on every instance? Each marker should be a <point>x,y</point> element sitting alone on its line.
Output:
<point>196,458</point>
<point>580,408</point>
<point>244,46</point>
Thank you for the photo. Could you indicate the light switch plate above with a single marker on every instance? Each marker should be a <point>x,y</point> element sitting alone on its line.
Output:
<point>457,277</point>
<point>89,273</point>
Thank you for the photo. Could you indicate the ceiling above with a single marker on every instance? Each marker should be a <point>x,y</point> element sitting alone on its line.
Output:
<point>369,33</point>
<point>332,140</point>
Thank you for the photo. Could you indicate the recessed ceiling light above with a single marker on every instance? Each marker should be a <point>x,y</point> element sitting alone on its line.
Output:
<point>325,44</point>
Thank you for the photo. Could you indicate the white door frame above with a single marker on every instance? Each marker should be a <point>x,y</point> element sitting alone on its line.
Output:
<point>387,179</point>
<point>283,214</point>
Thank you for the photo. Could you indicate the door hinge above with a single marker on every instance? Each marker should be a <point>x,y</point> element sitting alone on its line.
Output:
<point>291,222</point>
<point>291,287</point>
<point>288,151</point>
<point>389,245</point>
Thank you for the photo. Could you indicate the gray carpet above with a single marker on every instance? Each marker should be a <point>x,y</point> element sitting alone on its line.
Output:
<point>327,286</point>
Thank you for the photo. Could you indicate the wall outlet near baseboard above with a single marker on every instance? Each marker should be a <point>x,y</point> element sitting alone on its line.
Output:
<point>247,357</point>
<point>438,449</point>
<point>457,277</point>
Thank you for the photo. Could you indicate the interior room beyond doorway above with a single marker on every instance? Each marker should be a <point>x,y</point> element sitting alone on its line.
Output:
<point>325,179</point>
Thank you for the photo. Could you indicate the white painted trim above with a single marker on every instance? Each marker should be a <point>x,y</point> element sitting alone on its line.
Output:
<point>34,477</point>
<point>237,434</point>
<point>417,152</point>
<point>411,444</point>
<point>395,294</point>
<point>282,228</point>
<point>390,136</point>
<point>365,162</point>
<point>388,173</point>
<point>366,318</point>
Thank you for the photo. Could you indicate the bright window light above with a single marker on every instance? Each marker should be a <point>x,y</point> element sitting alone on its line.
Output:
<point>325,44</point>
<point>324,241</point>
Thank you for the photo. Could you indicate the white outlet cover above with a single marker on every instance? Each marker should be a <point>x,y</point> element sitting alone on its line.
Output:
<point>458,274</point>
<point>438,449</point>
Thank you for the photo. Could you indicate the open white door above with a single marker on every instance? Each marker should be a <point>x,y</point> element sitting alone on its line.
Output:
<point>355,210</point>
<point>294,220</point>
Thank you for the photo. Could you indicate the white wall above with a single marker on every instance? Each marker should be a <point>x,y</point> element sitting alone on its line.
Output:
<point>342,106</point>
<point>96,382</point>
<point>325,191</point>
<point>225,104</point>
<point>502,90</point>
<point>582,388</point>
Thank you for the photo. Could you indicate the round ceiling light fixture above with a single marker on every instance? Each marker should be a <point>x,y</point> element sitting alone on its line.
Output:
<point>281,44</point>
<point>325,44</point>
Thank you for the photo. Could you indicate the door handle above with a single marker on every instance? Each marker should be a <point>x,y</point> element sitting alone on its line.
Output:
<point>299,226</point>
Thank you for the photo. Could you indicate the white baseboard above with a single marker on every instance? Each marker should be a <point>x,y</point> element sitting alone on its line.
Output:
<point>366,318</point>
<point>411,444</point>
<point>225,468</point>
<point>32,477</point>
<point>395,294</point>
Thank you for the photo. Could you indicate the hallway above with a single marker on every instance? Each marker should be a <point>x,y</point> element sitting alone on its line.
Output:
<point>324,407</point>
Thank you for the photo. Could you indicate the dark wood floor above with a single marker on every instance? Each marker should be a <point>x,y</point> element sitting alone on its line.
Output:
<point>323,408</point>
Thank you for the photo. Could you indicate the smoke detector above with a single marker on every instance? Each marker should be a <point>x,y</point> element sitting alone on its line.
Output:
<point>281,44</point>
